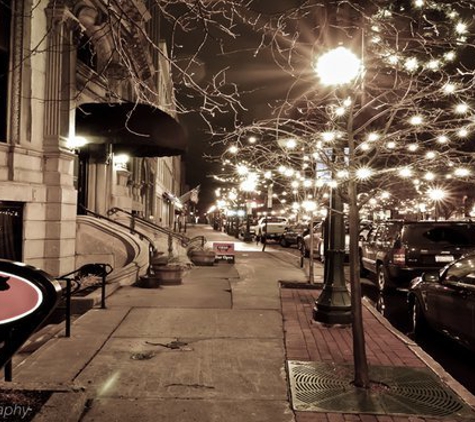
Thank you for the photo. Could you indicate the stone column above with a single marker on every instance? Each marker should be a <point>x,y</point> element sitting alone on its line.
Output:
<point>61,197</point>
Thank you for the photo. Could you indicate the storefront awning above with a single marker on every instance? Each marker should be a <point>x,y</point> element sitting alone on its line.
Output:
<point>140,130</point>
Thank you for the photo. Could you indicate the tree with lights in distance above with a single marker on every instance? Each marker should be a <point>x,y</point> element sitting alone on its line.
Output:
<point>403,128</point>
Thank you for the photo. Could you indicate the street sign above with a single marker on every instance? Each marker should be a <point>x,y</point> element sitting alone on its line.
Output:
<point>224,251</point>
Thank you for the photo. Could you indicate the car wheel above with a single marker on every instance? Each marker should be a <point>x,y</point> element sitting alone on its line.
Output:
<point>283,242</point>
<point>419,323</point>
<point>382,278</point>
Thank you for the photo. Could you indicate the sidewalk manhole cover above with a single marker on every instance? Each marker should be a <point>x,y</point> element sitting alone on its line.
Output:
<point>317,387</point>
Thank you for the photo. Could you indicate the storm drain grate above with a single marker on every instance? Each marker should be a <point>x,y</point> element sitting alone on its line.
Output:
<point>317,387</point>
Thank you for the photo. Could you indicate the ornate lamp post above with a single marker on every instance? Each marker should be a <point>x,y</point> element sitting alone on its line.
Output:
<point>336,67</point>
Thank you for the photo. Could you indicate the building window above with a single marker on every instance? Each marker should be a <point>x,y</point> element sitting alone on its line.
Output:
<point>5,26</point>
<point>86,52</point>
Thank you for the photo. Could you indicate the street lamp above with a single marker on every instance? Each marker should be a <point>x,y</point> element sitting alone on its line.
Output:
<point>336,67</point>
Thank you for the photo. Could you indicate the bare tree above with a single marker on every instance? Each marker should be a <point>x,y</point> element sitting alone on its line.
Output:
<point>405,125</point>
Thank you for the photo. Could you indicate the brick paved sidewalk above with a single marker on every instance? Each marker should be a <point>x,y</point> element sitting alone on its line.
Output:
<point>307,340</point>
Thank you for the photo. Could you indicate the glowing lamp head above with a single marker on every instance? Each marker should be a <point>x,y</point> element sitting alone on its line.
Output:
<point>338,67</point>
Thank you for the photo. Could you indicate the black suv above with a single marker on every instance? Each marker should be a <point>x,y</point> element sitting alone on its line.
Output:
<point>397,251</point>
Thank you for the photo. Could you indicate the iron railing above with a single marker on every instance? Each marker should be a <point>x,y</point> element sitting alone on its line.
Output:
<point>74,281</point>
<point>184,240</point>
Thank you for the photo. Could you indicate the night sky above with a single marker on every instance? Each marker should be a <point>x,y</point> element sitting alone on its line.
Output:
<point>260,83</point>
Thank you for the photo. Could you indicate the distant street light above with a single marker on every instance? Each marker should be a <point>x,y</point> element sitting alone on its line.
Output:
<point>336,67</point>
<point>437,195</point>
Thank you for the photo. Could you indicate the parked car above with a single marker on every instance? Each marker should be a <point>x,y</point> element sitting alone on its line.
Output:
<point>292,234</point>
<point>272,226</point>
<point>396,251</point>
<point>304,242</point>
<point>319,242</point>
<point>365,228</point>
<point>252,228</point>
<point>445,301</point>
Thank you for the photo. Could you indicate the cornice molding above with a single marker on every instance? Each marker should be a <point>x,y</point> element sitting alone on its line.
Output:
<point>127,20</point>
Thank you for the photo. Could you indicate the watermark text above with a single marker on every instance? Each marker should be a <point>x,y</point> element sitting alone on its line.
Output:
<point>14,410</point>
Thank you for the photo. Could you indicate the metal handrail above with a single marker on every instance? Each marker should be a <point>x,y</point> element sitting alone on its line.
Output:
<point>132,230</point>
<point>98,270</point>
<point>184,240</point>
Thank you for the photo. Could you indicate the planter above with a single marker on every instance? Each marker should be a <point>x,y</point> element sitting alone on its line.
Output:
<point>158,260</point>
<point>202,258</point>
<point>168,274</point>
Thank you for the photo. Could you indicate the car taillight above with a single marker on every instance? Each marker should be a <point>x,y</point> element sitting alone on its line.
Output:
<point>399,256</point>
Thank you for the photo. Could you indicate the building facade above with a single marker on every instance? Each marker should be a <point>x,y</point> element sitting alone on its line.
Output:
<point>59,60</point>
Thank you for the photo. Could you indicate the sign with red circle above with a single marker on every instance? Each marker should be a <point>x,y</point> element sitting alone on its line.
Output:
<point>18,298</point>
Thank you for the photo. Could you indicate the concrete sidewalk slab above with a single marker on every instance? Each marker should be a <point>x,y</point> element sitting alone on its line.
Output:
<point>202,293</point>
<point>203,369</point>
<point>218,270</point>
<point>201,323</point>
<point>257,287</point>
<point>61,359</point>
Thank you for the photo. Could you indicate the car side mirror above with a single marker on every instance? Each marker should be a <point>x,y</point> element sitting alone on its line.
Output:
<point>430,277</point>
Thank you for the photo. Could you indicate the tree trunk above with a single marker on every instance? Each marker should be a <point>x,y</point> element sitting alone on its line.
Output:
<point>359,351</point>
<point>311,274</point>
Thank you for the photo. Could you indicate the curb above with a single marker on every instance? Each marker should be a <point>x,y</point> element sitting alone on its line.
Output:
<point>63,406</point>
<point>432,364</point>
<point>66,404</point>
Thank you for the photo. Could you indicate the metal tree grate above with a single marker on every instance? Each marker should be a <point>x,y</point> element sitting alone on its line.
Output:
<point>317,387</point>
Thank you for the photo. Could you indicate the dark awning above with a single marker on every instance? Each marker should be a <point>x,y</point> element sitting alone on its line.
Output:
<point>140,130</point>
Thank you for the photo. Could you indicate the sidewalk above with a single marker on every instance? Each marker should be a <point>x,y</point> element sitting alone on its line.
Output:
<point>232,343</point>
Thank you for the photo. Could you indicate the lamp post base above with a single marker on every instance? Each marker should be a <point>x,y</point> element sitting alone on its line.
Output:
<point>333,306</point>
